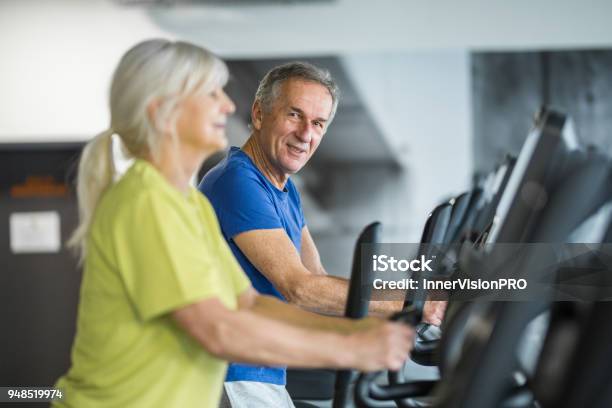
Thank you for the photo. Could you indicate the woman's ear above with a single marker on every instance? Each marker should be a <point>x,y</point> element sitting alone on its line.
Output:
<point>153,114</point>
<point>256,115</point>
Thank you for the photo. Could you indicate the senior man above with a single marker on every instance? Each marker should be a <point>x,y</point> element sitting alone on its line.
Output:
<point>261,216</point>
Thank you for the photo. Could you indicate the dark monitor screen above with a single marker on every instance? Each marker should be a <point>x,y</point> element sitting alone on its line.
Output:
<point>535,173</point>
<point>484,220</point>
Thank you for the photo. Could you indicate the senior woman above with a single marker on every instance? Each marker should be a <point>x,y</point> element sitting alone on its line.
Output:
<point>163,303</point>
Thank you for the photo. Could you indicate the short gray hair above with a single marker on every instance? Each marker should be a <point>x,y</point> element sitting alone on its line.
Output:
<point>268,89</point>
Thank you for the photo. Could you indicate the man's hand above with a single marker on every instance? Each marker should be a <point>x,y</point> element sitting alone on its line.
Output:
<point>433,311</point>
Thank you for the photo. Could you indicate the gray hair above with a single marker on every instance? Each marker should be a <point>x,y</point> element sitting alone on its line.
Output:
<point>152,70</point>
<point>268,89</point>
<point>163,70</point>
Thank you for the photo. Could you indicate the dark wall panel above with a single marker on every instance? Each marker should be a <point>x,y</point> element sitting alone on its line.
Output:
<point>505,93</point>
<point>508,88</point>
<point>38,291</point>
<point>581,84</point>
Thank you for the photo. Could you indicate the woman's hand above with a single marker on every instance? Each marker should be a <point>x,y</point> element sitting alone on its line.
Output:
<point>433,311</point>
<point>385,345</point>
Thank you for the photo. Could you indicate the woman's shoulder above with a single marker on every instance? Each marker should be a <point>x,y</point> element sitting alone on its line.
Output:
<point>130,195</point>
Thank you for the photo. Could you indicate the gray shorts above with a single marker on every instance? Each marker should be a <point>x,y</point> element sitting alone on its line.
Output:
<point>250,394</point>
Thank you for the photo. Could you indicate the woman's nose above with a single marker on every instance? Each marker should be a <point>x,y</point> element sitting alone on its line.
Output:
<point>228,107</point>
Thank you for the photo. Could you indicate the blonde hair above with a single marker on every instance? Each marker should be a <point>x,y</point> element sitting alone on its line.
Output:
<point>153,70</point>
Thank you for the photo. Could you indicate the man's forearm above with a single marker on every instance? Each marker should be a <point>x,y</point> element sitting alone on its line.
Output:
<point>276,309</point>
<point>328,294</point>
<point>385,307</point>
<point>320,293</point>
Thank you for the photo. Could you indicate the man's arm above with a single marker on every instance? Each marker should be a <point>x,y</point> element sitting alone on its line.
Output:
<point>310,254</point>
<point>276,309</point>
<point>274,255</point>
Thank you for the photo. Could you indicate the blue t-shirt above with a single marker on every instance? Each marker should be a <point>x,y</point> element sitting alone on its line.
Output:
<point>245,200</point>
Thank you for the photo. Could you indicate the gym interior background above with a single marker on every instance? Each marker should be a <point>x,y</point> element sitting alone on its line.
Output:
<point>432,96</point>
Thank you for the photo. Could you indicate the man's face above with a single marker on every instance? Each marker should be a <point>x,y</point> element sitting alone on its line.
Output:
<point>292,129</point>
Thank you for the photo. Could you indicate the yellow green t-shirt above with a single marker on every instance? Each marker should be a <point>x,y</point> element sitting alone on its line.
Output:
<point>150,250</point>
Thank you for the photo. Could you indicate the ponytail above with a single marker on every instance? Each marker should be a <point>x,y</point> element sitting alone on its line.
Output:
<point>95,175</point>
<point>151,70</point>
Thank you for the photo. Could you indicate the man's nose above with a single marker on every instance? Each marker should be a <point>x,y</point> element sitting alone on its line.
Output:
<point>305,132</point>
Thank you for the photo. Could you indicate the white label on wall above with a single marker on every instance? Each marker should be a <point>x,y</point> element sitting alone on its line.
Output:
<point>35,232</point>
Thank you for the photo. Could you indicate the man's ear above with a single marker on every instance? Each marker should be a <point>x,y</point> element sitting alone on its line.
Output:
<point>256,115</point>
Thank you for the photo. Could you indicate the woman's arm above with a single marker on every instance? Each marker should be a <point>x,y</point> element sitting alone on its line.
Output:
<point>246,335</point>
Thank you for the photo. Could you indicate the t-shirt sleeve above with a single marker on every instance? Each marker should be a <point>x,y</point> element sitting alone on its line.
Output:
<point>239,279</point>
<point>164,263</point>
<point>243,203</point>
<point>298,201</point>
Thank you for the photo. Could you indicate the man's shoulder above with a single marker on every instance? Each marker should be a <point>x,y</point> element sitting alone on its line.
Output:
<point>232,173</point>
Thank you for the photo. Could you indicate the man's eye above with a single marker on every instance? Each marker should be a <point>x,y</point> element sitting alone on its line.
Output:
<point>319,124</point>
<point>294,114</point>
